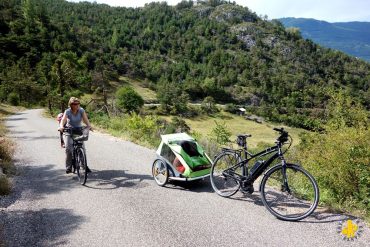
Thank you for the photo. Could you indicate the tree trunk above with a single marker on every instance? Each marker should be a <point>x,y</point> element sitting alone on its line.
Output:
<point>62,85</point>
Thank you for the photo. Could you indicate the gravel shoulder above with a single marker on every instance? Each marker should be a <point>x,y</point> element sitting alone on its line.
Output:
<point>122,206</point>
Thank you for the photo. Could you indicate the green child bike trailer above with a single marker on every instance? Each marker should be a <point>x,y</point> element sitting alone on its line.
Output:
<point>180,157</point>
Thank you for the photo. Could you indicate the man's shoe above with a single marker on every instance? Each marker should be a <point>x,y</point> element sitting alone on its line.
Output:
<point>88,170</point>
<point>68,170</point>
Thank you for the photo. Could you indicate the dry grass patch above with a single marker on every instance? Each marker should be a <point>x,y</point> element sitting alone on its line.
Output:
<point>238,125</point>
<point>6,151</point>
<point>5,186</point>
<point>148,95</point>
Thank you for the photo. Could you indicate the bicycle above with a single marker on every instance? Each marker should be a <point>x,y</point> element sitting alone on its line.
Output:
<point>287,190</point>
<point>79,162</point>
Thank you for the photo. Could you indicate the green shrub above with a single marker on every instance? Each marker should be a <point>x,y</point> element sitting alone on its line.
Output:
<point>209,106</point>
<point>144,128</point>
<point>339,157</point>
<point>210,146</point>
<point>100,120</point>
<point>13,99</point>
<point>6,149</point>
<point>220,133</point>
<point>172,98</point>
<point>232,108</point>
<point>180,125</point>
<point>117,124</point>
<point>340,160</point>
<point>177,125</point>
<point>128,99</point>
<point>6,164</point>
<point>5,185</point>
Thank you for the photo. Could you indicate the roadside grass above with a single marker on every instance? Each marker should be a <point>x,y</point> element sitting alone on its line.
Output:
<point>7,167</point>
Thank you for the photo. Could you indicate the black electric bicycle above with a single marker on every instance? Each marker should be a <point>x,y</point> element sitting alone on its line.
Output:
<point>287,190</point>
<point>79,162</point>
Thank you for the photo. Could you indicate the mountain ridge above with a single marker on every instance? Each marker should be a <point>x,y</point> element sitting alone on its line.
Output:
<point>350,37</point>
<point>183,52</point>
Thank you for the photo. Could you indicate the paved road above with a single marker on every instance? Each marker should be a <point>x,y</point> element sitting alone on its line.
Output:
<point>122,206</point>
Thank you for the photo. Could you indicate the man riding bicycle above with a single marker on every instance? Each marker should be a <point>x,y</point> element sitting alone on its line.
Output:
<point>72,118</point>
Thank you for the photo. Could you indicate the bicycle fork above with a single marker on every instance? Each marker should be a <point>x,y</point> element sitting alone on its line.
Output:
<point>285,184</point>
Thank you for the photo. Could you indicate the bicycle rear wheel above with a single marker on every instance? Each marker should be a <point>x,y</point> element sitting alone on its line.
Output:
<point>81,166</point>
<point>223,184</point>
<point>292,200</point>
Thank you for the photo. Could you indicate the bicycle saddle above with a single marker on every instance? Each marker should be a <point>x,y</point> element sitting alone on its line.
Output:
<point>244,135</point>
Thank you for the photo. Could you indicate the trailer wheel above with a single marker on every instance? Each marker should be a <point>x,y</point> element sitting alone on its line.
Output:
<point>160,172</point>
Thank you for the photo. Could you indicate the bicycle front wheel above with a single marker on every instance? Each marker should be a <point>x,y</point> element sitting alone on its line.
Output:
<point>223,184</point>
<point>292,199</point>
<point>81,166</point>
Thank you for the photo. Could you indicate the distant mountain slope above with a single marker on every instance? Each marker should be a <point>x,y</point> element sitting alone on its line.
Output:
<point>350,37</point>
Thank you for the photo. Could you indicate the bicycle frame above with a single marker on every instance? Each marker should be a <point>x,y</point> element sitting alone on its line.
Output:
<point>247,177</point>
<point>77,144</point>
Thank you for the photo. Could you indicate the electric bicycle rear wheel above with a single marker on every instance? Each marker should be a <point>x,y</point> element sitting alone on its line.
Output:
<point>223,184</point>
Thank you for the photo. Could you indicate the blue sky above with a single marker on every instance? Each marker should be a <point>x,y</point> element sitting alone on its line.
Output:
<point>327,10</point>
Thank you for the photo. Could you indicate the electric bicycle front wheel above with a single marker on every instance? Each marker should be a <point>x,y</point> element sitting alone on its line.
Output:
<point>289,194</point>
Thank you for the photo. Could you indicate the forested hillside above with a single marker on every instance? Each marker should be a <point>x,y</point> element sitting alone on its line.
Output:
<point>51,49</point>
<point>350,37</point>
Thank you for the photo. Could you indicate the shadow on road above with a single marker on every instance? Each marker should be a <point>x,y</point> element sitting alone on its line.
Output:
<point>15,119</point>
<point>34,138</point>
<point>16,132</point>
<point>326,216</point>
<point>39,181</point>
<point>320,215</point>
<point>198,186</point>
<point>45,227</point>
<point>114,179</point>
<point>249,198</point>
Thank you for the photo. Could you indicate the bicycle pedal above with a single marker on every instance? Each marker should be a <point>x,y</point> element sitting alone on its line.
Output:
<point>247,189</point>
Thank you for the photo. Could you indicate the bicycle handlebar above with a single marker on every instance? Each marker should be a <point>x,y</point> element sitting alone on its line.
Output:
<point>77,133</point>
<point>283,135</point>
<point>279,130</point>
<point>68,129</point>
